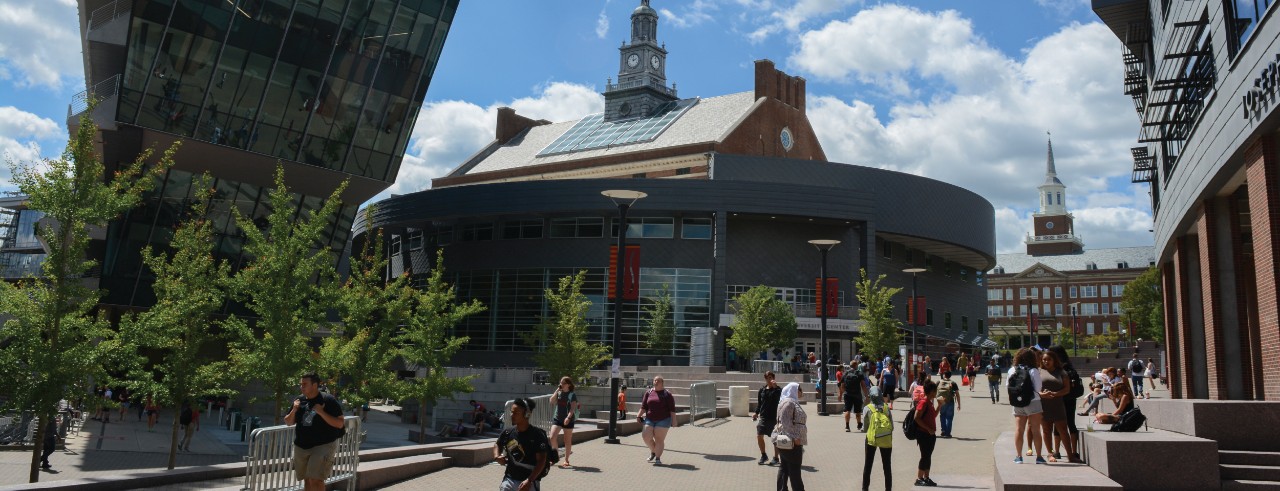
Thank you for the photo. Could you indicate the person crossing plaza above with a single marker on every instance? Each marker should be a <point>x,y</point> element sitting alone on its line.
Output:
<point>852,390</point>
<point>948,403</point>
<point>993,379</point>
<point>766,415</point>
<point>879,438</point>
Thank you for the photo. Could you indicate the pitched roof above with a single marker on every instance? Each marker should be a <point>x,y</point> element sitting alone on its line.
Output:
<point>1136,257</point>
<point>709,120</point>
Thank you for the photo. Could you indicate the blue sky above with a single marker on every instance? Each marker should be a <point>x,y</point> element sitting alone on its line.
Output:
<point>963,92</point>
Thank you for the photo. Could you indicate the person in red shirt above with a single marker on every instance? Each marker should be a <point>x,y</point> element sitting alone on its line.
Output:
<point>927,423</point>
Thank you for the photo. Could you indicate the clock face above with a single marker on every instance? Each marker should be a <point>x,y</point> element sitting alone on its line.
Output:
<point>1048,225</point>
<point>624,109</point>
<point>655,62</point>
<point>633,60</point>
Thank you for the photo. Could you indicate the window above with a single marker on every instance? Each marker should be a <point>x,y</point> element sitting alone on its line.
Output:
<point>1008,310</point>
<point>1008,293</point>
<point>522,229</point>
<point>995,311</point>
<point>395,245</point>
<point>1035,309</point>
<point>1057,309</point>
<point>1022,292</point>
<point>982,326</point>
<point>1091,265</point>
<point>964,323</point>
<point>998,270</point>
<point>1057,292</point>
<point>646,228</point>
<point>1022,310</point>
<point>695,228</point>
<point>1106,327</point>
<point>1046,292</point>
<point>1059,198</point>
<point>415,240</point>
<point>1089,328</point>
<point>1089,291</point>
<point>1247,15</point>
<point>1073,292</point>
<point>946,320</point>
<point>995,294</point>
<point>1106,291</point>
<point>886,250</point>
<point>1122,265</point>
<point>444,235</point>
<point>1045,309</point>
<point>978,278</point>
<point>1106,309</point>
<point>1115,308</point>
<point>1117,290</point>
<point>577,228</point>
<point>475,231</point>
<point>928,317</point>
<point>683,171</point>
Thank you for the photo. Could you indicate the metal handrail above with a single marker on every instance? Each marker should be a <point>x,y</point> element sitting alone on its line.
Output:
<point>108,13</point>
<point>269,464</point>
<point>702,399</point>
<point>101,90</point>
<point>541,415</point>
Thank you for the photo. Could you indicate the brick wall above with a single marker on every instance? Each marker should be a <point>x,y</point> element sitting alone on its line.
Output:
<point>1263,177</point>
<point>1206,234</point>
<point>1181,260</point>
<point>1171,340</point>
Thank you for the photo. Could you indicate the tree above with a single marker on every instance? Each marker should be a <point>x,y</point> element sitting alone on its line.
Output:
<point>761,321</point>
<point>372,310</point>
<point>562,337</point>
<point>1143,306</point>
<point>50,343</point>
<point>190,289</point>
<point>426,343</point>
<point>660,334</point>
<point>880,332</point>
<point>288,284</point>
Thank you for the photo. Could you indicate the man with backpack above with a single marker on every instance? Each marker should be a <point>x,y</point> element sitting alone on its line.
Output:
<point>950,403</point>
<point>993,380</point>
<point>1137,371</point>
<point>851,390</point>
<point>879,436</point>
<point>524,449</point>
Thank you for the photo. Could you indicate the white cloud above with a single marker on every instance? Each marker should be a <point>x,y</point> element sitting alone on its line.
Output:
<point>691,14</point>
<point>791,17</point>
<point>977,118</point>
<point>447,132</point>
<point>602,25</point>
<point>40,43</point>
<point>20,132</point>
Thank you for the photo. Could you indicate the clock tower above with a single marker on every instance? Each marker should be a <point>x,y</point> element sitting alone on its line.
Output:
<point>1054,230</point>
<point>642,67</point>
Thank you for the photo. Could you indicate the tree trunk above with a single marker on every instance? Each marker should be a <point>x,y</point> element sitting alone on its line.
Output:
<point>173,441</point>
<point>422,422</point>
<point>39,444</point>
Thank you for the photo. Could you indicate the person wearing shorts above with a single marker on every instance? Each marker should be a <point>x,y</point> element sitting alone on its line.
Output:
<point>566,400</point>
<point>851,388</point>
<point>319,421</point>
<point>1027,419</point>
<point>766,416</point>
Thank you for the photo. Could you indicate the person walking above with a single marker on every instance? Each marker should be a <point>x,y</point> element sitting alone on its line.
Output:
<point>852,390</point>
<point>124,402</point>
<point>1024,395</point>
<point>926,434</point>
<point>1054,385</point>
<point>567,406</point>
<point>993,379</point>
<point>658,413</point>
<point>1137,372</point>
<point>948,403</point>
<point>622,402</point>
<point>523,449</point>
<point>189,418</point>
<point>50,441</point>
<point>971,375</point>
<point>791,422</point>
<point>766,415</point>
<point>319,423</point>
<point>153,413</point>
<point>944,366</point>
<point>1151,373</point>
<point>879,437</point>
<point>888,385</point>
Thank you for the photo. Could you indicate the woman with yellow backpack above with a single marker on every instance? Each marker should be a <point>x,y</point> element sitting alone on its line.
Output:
<point>879,425</point>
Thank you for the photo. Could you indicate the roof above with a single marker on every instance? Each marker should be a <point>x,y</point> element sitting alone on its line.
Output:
<point>709,120</point>
<point>1136,257</point>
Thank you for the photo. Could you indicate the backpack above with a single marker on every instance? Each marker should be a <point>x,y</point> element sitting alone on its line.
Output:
<point>909,428</point>
<point>1077,386</point>
<point>1135,366</point>
<point>946,390</point>
<point>1130,421</point>
<point>1021,389</point>
<point>852,383</point>
<point>879,428</point>
<point>186,417</point>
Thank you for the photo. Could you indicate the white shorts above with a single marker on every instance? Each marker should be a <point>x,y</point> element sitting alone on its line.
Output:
<point>1034,408</point>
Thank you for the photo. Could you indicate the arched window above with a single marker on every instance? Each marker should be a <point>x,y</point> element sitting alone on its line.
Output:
<point>1059,198</point>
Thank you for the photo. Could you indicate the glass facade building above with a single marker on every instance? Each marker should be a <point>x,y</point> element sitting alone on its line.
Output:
<point>328,89</point>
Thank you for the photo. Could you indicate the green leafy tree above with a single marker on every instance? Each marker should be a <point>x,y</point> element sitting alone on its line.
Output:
<point>1143,305</point>
<point>427,344</point>
<point>51,340</point>
<point>761,321</point>
<point>660,333</point>
<point>190,289</point>
<point>288,284</point>
<point>881,332</point>
<point>372,310</point>
<point>562,337</point>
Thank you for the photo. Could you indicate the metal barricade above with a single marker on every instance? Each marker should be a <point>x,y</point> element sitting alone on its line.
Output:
<point>541,415</point>
<point>269,465</point>
<point>761,366</point>
<point>702,400</point>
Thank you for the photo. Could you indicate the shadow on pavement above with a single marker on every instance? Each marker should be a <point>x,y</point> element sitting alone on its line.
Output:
<point>727,458</point>
<point>682,467</point>
<point>583,469</point>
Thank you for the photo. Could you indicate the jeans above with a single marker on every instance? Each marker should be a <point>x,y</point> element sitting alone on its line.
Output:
<point>885,461</point>
<point>995,391</point>
<point>1137,385</point>
<point>926,443</point>
<point>789,469</point>
<point>509,484</point>
<point>947,416</point>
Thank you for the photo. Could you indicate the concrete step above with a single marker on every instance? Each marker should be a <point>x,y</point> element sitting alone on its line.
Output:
<point>1027,477</point>
<point>1250,472</point>
<point>1245,457</point>
<point>373,475</point>
<point>1247,485</point>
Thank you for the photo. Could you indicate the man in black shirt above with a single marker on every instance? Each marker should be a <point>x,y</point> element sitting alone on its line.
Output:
<point>319,421</point>
<point>851,387</point>
<point>767,415</point>
<point>523,449</point>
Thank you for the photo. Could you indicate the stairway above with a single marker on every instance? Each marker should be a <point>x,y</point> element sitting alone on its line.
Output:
<point>1245,469</point>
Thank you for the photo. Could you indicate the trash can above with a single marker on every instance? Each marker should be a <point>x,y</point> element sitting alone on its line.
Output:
<point>237,420</point>
<point>739,400</point>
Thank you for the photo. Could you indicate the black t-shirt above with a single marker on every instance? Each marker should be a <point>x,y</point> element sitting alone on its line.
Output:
<point>767,403</point>
<point>853,383</point>
<point>521,449</point>
<point>312,430</point>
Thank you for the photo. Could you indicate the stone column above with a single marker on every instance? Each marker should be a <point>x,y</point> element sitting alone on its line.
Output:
<point>1206,227</point>
<point>1262,172</point>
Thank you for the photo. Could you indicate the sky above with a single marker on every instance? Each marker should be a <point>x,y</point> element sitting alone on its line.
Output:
<point>964,92</point>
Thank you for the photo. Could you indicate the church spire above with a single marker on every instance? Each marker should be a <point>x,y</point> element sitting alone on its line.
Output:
<point>1051,172</point>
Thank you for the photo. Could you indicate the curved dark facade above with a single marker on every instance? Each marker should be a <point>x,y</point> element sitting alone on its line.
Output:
<point>706,239</point>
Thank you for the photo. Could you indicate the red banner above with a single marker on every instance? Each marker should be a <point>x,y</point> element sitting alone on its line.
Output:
<point>829,296</point>
<point>630,273</point>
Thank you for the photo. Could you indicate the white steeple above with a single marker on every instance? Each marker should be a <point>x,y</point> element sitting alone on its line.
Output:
<point>1053,194</point>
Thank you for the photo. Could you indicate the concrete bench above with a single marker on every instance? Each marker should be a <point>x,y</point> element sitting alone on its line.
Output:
<point>473,455</point>
<point>384,472</point>
<point>1155,460</point>
<point>1059,476</point>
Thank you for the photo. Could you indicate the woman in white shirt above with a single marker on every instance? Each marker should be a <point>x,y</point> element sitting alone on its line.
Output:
<point>1027,418</point>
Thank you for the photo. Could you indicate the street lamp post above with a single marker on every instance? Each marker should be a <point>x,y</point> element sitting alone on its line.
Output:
<point>823,245</point>
<point>915,319</point>
<point>1075,331</point>
<point>624,199</point>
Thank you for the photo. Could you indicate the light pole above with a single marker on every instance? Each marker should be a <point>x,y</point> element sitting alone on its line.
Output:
<point>1075,331</point>
<point>624,199</point>
<point>823,245</point>
<point>915,320</point>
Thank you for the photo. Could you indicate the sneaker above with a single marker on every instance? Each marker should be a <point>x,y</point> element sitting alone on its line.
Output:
<point>657,461</point>
<point>775,461</point>
<point>847,430</point>
<point>929,482</point>
<point>651,457</point>
<point>859,426</point>
<point>764,459</point>
<point>1057,455</point>
<point>1040,460</point>
<point>921,482</point>
<point>1017,460</point>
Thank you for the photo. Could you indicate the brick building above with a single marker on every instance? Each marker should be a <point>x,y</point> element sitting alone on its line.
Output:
<point>1057,281</point>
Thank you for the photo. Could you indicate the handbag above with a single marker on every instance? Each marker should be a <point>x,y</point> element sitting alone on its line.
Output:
<point>965,381</point>
<point>1130,421</point>
<point>781,440</point>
